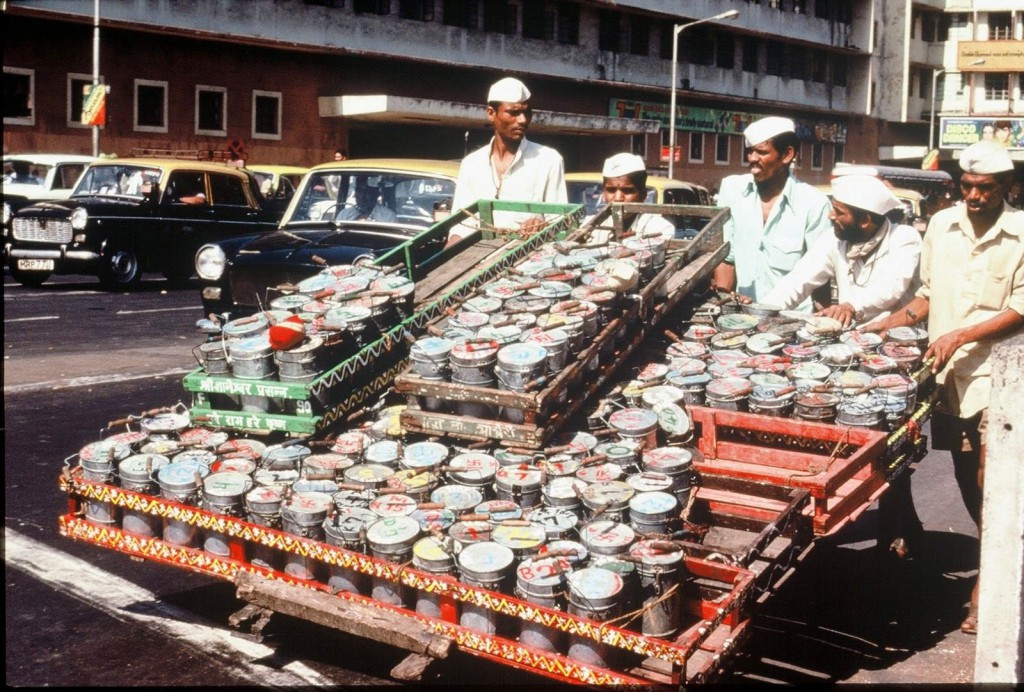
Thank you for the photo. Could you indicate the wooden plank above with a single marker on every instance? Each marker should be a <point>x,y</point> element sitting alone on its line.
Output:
<point>340,614</point>
<point>453,273</point>
<point>750,501</point>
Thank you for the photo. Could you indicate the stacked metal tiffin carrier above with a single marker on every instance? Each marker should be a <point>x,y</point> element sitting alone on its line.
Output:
<point>760,359</point>
<point>589,525</point>
<point>342,309</point>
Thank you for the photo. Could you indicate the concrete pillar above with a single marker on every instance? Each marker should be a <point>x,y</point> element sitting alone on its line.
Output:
<point>999,655</point>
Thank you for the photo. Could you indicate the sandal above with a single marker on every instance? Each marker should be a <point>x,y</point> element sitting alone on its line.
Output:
<point>970,623</point>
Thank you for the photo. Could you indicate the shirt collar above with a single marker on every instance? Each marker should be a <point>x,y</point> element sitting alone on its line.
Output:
<point>1004,224</point>
<point>787,189</point>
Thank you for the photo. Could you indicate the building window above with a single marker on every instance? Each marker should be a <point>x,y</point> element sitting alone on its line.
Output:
<point>823,9</point>
<point>568,23</point>
<point>77,84</point>
<point>266,114</point>
<point>837,153</point>
<point>639,35</point>
<point>997,86</point>
<point>499,17</point>
<point>750,55</point>
<point>839,71</point>
<point>725,51</point>
<point>819,67</point>
<point>696,147</point>
<point>460,13</point>
<point>537,21</point>
<point>211,110</point>
<point>798,62</point>
<point>608,32</point>
<point>371,6</point>
<point>421,10</point>
<point>817,156</point>
<point>19,96</point>
<point>722,148</point>
<point>325,3</point>
<point>150,106</point>
<point>1000,26</point>
<point>701,48</point>
<point>775,58</point>
<point>665,35</point>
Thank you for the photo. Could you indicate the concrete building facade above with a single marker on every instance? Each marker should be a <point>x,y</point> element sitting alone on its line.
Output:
<point>291,80</point>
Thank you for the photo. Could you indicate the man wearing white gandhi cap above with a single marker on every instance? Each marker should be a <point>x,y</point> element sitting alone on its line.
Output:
<point>873,261</point>
<point>509,167</point>
<point>972,293</point>
<point>774,217</point>
<point>625,181</point>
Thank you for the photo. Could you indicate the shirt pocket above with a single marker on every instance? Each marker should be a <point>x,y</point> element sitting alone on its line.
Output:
<point>782,250</point>
<point>993,292</point>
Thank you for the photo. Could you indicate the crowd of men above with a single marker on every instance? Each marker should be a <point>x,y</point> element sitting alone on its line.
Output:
<point>786,238</point>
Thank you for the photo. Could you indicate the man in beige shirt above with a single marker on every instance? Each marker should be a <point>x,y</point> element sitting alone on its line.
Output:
<point>972,293</point>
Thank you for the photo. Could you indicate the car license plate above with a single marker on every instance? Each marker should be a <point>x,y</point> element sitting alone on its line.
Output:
<point>35,265</point>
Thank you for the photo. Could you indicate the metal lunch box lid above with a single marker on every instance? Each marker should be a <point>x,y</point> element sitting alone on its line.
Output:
<point>550,339</point>
<point>393,532</point>
<point>245,326</point>
<point>353,498</point>
<point>720,371</point>
<point>393,505</point>
<point>349,523</point>
<point>502,289</point>
<point>876,363</point>
<point>532,267</point>
<point>651,372</point>
<point>728,341</point>
<point>431,348</point>
<point>485,560</point>
<point>311,310</point>
<point>198,456</point>
<point>700,333</point>
<point>661,394</point>
<point>104,452</point>
<point>312,485</point>
<point>593,293</point>
<point>573,324</point>
<point>507,334</point>
<point>384,452</point>
<point>506,457</point>
<point>899,351</point>
<point>530,304</point>
<point>281,478</point>
<point>327,465</point>
<point>522,357</point>
<point>457,498</point>
<point>388,423</point>
<point>520,538</point>
<point>309,345</point>
<point>350,286</point>
<point>769,379</point>
<point>817,400</point>
<point>251,347</point>
<point>599,473</point>
<point>434,519</point>
<point>165,423</point>
<point>729,356</point>
<point>612,495</point>
<point>132,438</point>
<point>686,349</point>
<point>686,366</point>
<point>340,317</point>
<point>243,448</point>
<point>474,353</point>
<point>264,499</point>
<point>477,468</point>
<point>420,455</point>
<point>838,354</point>
<point>895,384</point>
<point>634,422</point>
<point>766,362</point>
<point>352,443</point>
<point>649,481</point>
<point>368,475</point>
<point>728,389</point>
<point>499,510</point>
<point>316,283</point>
<point>865,341</point>
<point>653,503</point>
<point>527,480</point>
<point>905,336</point>
<point>414,481</point>
<point>430,554</point>
<point>181,476</point>
<point>668,460</point>
<point>469,319</point>
<point>862,404</point>
<point>648,554</point>
<point>456,333</point>
<point>140,467</point>
<point>290,455</point>
<point>574,551</point>
<point>850,379</point>
<point>555,520</point>
<point>307,508</point>
<point>594,586</point>
<point>395,284</point>
<point>559,465</point>
<point>618,451</point>
<point>564,488</point>
<point>543,576</point>
<point>576,260</point>
<point>466,532</point>
<point>799,352</point>
<point>202,437</point>
<point>693,382</point>
<point>290,302</point>
<point>484,304</point>
<point>768,394</point>
<point>579,442</point>
<point>555,290</point>
<point>737,322</point>
<point>521,320</point>
<point>809,371</point>
<point>227,485</point>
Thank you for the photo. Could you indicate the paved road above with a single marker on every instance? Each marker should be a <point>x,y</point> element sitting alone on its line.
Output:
<point>76,614</point>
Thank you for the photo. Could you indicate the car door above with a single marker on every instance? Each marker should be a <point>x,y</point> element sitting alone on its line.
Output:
<point>184,220</point>
<point>238,212</point>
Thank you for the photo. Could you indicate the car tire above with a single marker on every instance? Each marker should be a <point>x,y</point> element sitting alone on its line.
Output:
<point>120,268</point>
<point>29,279</point>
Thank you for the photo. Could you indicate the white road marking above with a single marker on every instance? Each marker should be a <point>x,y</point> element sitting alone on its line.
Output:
<point>94,380</point>
<point>22,294</point>
<point>33,319</point>
<point>128,602</point>
<point>139,312</point>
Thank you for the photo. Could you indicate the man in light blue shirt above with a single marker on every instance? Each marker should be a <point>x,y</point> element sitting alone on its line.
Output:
<point>774,219</point>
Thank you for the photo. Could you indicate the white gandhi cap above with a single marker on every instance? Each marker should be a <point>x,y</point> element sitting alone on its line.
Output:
<point>985,157</point>
<point>764,129</point>
<point>508,90</point>
<point>622,164</point>
<point>864,192</point>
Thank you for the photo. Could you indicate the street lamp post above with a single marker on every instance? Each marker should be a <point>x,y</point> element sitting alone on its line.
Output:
<point>935,83</point>
<point>676,30</point>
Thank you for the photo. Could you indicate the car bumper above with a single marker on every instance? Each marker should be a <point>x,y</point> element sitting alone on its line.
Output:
<point>61,254</point>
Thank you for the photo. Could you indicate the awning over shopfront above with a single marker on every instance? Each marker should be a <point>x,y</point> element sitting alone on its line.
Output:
<point>385,108</point>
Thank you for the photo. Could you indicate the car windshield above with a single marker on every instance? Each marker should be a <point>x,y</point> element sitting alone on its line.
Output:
<point>591,195</point>
<point>352,195</point>
<point>24,172</point>
<point>120,180</point>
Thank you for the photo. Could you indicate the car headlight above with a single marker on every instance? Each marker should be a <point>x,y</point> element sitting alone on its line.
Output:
<point>210,262</point>
<point>7,213</point>
<point>79,217</point>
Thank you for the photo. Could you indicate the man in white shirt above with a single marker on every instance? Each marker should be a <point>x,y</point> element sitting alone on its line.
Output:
<point>873,261</point>
<point>509,167</point>
<point>625,181</point>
